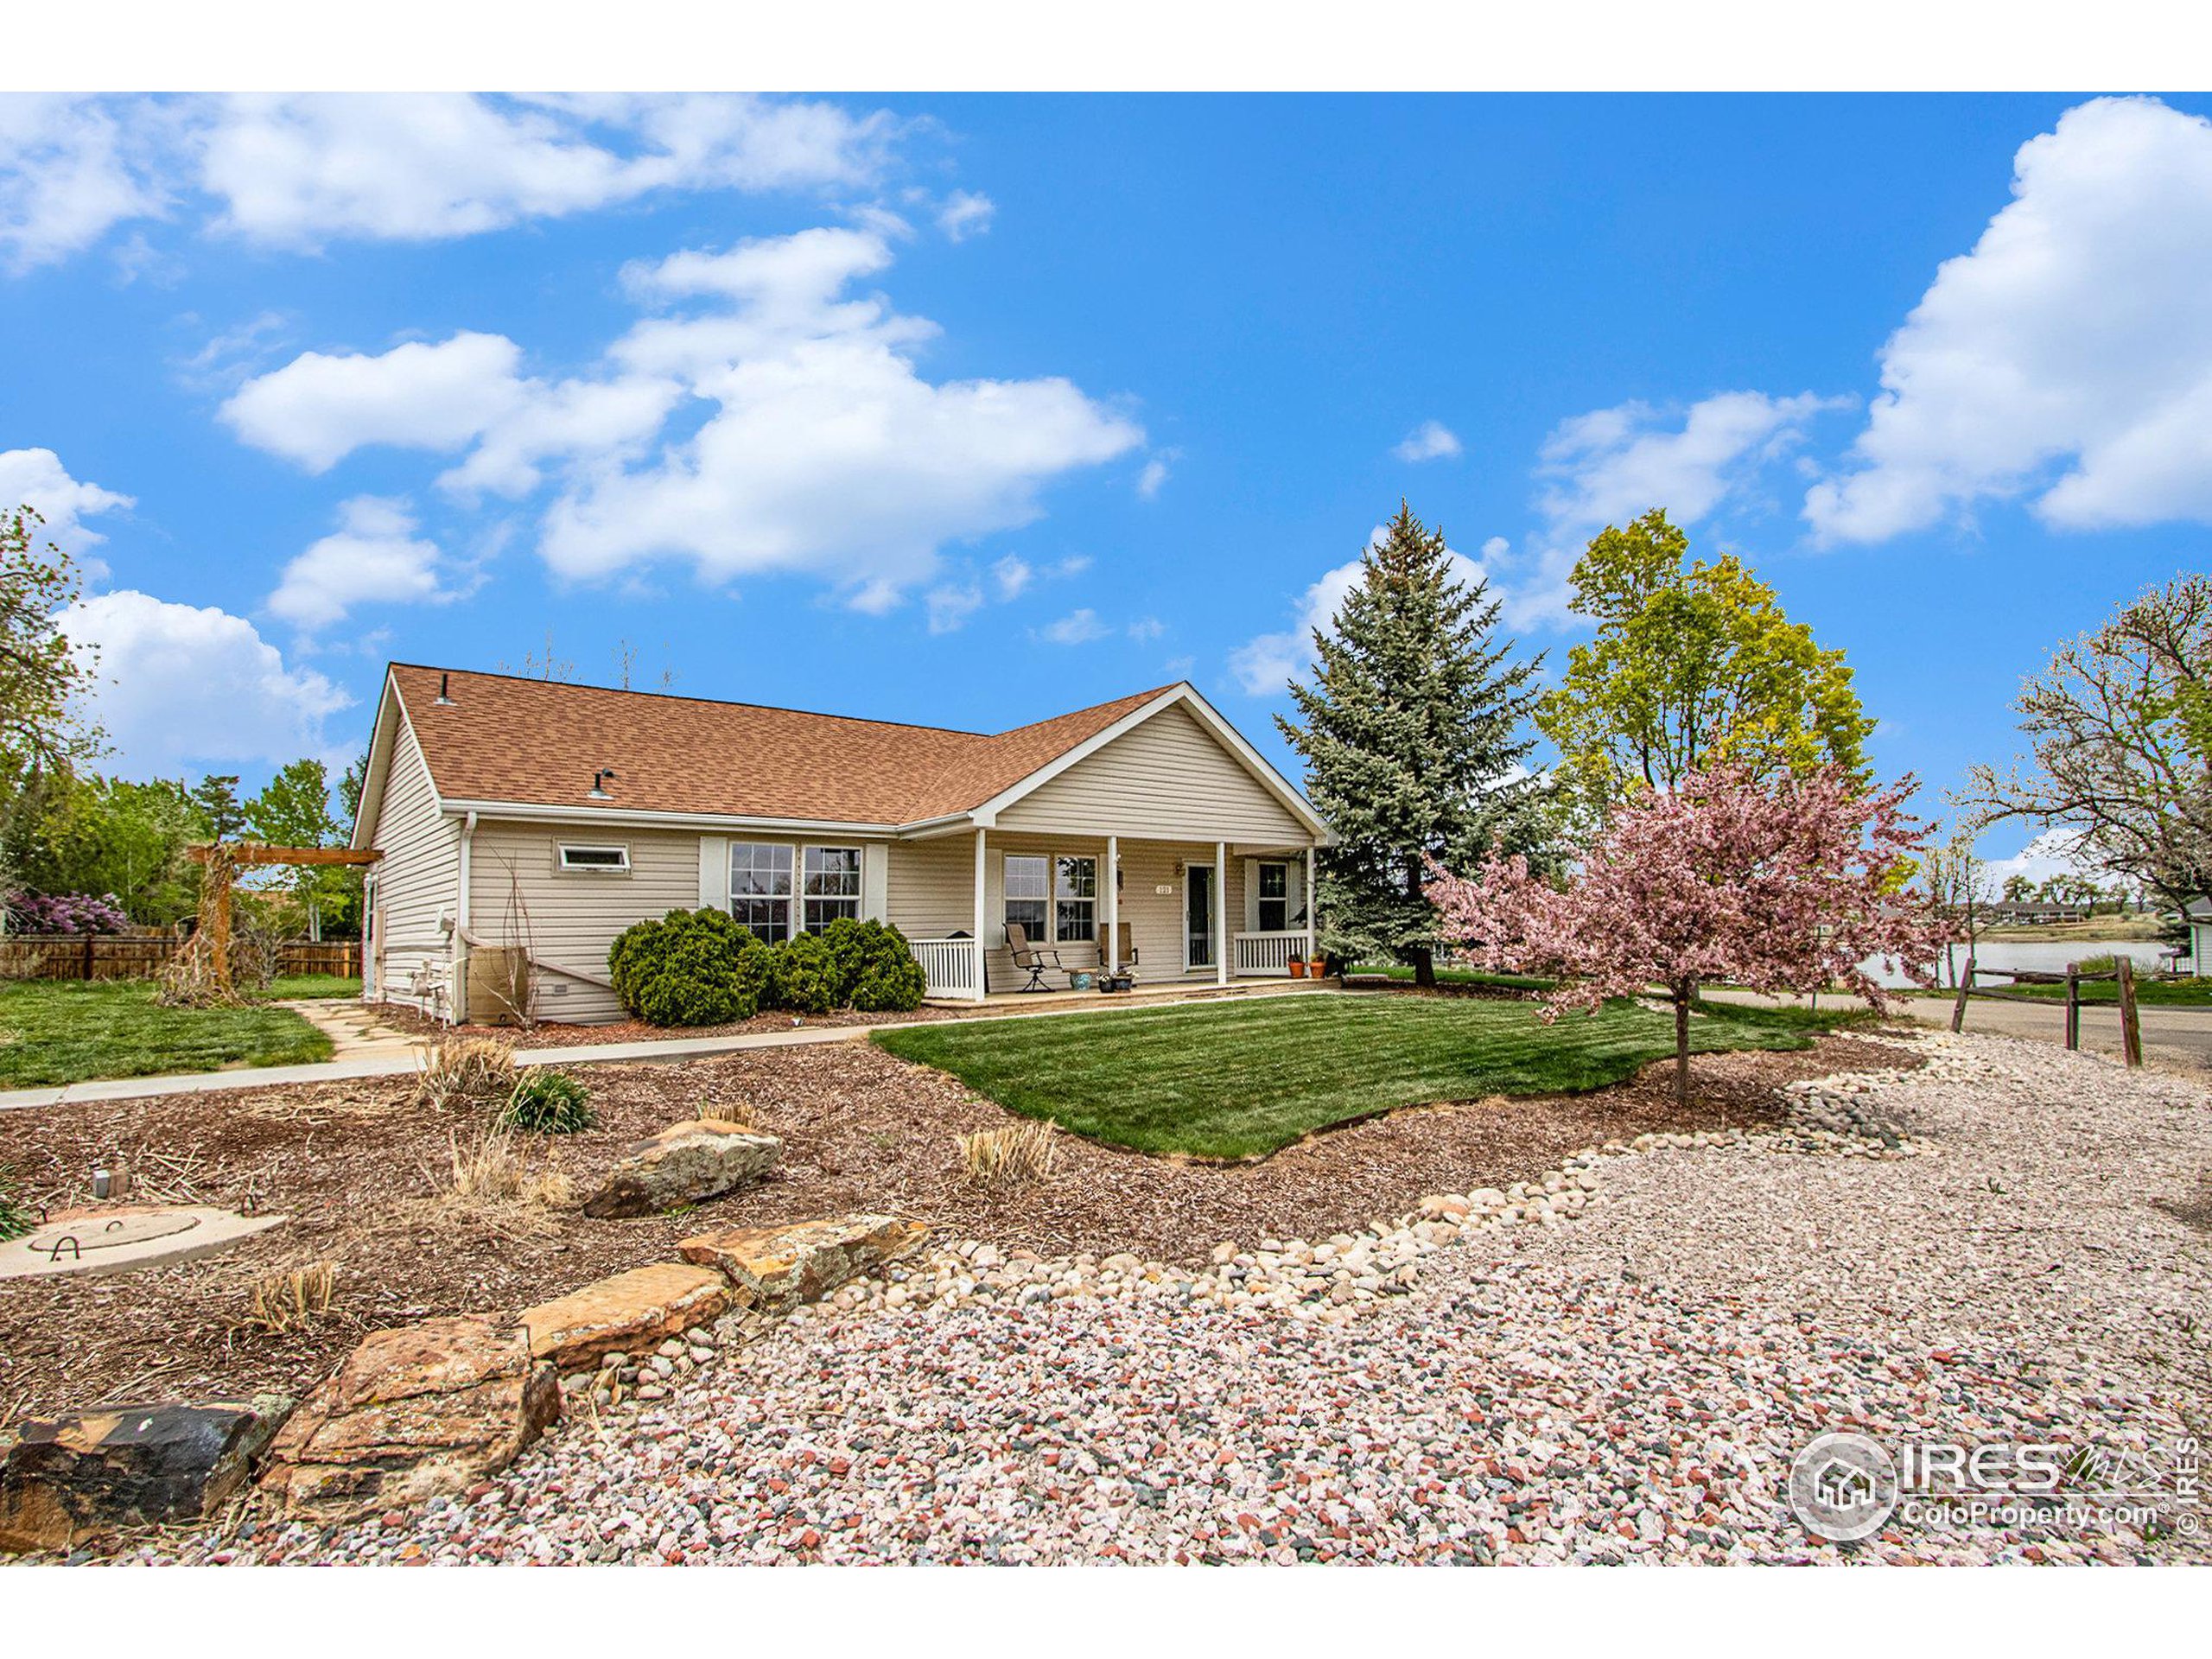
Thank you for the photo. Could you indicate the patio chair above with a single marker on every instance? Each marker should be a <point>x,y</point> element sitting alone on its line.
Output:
<point>1037,960</point>
<point>1125,946</point>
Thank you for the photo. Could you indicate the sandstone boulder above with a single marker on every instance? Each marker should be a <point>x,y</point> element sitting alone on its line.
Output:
<point>684,1164</point>
<point>781,1267</point>
<point>69,1478</point>
<point>420,1412</point>
<point>633,1311</point>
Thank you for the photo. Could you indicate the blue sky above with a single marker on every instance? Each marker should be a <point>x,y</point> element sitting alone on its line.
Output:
<point>970,410</point>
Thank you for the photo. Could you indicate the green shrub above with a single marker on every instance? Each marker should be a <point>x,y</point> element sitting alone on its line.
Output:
<point>691,968</point>
<point>805,976</point>
<point>876,972</point>
<point>549,1103</point>
<point>890,981</point>
<point>15,1218</point>
<point>847,941</point>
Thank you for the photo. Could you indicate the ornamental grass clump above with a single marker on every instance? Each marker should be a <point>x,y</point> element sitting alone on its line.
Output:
<point>549,1103</point>
<point>1002,1160</point>
<point>466,1071</point>
<point>278,1304</point>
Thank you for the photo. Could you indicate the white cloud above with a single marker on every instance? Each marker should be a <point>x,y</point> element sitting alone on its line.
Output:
<point>950,604</point>
<point>1078,627</point>
<point>1154,476</point>
<point>1265,664</point>
<point>36,479</point>
<point>1611,465</point>
<point>181,687</point>
<point>1013,574</point>
<point>1146,629</point>
<point>827,453</point>
<point>67,175</point>
<point>318,408</point>
<point>966,213</point>
<point>1430,441</point>
<point>301,170</point>
<point>373,556</point>
<point>2067,359</point>
<point>2055,852</point>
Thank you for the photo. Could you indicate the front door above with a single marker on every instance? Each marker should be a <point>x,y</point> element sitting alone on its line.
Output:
<point>1198,916</point>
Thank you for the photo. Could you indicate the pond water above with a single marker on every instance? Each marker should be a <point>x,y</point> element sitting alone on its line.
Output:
<point>2050,957</point>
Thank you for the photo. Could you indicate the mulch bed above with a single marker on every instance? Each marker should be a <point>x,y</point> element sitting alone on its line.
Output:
<point>553,1034</point>
<point>356,1167</point>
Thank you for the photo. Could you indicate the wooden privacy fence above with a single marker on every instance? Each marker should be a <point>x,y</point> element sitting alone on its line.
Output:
<point>2130,1025</point>
<point>141,956</point>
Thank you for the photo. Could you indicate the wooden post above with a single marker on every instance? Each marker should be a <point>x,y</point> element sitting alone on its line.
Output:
<point>2073,1005</point>
<point>1966,990</point>
<point>88,959</point>
<point>2131,1029</point>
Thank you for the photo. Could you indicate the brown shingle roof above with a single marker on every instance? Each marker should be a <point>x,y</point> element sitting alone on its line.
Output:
<point>538,742</point>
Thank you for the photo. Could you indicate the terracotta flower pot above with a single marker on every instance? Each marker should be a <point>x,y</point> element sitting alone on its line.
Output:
<point>1297,967</point>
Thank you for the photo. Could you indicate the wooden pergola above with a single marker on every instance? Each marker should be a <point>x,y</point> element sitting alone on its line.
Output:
<point>223,860</point>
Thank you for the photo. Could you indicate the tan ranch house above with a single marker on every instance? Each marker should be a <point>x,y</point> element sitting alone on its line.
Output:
<point>527,813</point>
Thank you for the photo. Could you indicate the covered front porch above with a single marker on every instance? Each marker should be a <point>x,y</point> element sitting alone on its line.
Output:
<point>1172,913</point>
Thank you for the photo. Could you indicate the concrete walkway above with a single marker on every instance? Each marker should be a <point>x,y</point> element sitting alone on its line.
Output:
<point>391,1064</point>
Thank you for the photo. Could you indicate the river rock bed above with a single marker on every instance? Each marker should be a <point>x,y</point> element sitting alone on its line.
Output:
<point>1615,1362</point>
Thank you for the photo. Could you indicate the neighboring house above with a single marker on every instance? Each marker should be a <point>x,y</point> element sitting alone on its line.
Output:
<point>516,812</point>
<point>2197,912</point>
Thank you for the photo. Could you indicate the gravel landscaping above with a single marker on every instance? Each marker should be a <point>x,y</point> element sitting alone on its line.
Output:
<point>1617,1365</point>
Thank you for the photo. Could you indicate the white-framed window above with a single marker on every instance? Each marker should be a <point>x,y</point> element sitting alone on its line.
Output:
<point>594,858</point>
<point>760,888</point>
<point>1075,899</point>
<point>833,886</point>
<point>1029,893</point>
<point>1274,898</point>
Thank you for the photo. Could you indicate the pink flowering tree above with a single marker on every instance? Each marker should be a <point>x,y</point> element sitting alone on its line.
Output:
<point>1784,885</point>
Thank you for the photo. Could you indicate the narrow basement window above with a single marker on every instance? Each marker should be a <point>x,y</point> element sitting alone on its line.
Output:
<point>596,860</point>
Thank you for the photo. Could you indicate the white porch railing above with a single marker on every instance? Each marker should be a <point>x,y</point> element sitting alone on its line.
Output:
<point>948,965</point>
<point>1268,953</point>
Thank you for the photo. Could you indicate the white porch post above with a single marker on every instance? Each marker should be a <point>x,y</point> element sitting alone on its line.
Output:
<point>1223,944</point>
<point>1313,912</point>
<point>982,907</point>
<point>1110,953</point>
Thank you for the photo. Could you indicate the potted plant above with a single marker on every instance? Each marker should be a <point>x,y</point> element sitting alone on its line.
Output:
<point>1297,966</point>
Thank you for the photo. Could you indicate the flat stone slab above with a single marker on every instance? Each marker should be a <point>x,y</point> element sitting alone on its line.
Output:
<point>781,1267</point>
<point>70,1478</point>
<point>629,1313</point>
<point>684,1164</point>
<point>117,1238</point>
<point>420,1412</point>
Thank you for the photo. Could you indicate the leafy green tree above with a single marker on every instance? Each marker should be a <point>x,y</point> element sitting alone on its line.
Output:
<point>43,674</point>
<point>1695,666</point>
<point>293,810</point>
<point>216,795</point>
<point>2119,730</point>
<point>2018,890</point>
<point>69,832</point>
<point>350,785</point>
<point>1411,736</point>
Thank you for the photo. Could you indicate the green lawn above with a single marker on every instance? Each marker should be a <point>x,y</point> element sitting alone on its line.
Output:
<point>1456,976</point>
<point>1241,1080</point>
<point>292,986</point>
<point>2177,993</point>
<point>60,1031</point>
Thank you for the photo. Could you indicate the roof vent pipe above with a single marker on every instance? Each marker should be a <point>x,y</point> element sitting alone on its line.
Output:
<point>599,783</point>
<point>441,701</point>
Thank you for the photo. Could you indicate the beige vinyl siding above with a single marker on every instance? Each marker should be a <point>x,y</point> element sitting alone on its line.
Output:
<point>1166,779</point>
<point>519,894</point>
<point>928,895</point>
<point>417,880</point>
